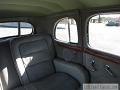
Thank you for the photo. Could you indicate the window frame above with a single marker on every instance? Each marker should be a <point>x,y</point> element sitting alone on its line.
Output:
<point>54,31</point>
<point>19,31</point>
<point>86,43</point>
<point>87,31</point>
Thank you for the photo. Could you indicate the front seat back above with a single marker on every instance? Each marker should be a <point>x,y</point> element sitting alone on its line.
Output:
<point>33,57</point>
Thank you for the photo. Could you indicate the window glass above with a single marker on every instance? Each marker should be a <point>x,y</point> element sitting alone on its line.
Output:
<point>62,32</point>
<point>73,31</point>
<point>12,29</point>
<point>66,30</point>
<point>104,33</point>
<point>25,28</point>
<point>8,29</point>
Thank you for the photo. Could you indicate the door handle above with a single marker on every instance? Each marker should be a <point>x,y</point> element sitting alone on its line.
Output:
<point>92,64</point>
<point>109,71</point>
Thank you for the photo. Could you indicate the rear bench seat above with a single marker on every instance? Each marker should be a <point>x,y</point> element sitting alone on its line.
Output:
<point>39,69</point>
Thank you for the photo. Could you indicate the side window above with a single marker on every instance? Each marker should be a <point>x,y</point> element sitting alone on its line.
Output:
<point>104,33</point>
<point>8,29</point>
<point>15,28</point>
<point>25,28</point>
<point>66,30</point>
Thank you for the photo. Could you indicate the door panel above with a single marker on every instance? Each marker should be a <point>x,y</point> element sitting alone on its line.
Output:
<point>103,66</point>
<point>102,70</point>
<point>68,52</point>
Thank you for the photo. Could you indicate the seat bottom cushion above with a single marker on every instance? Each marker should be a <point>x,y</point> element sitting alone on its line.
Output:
<point>57,81</point>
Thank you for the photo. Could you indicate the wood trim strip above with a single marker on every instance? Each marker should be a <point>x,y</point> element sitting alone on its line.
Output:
<point>75,48</point>
<point>89,51</point>
<point>101,55</point>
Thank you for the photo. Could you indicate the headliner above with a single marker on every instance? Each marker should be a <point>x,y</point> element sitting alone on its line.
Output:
<point>46,7</point>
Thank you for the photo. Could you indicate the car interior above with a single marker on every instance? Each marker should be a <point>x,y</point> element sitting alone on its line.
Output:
<point>59,44</point>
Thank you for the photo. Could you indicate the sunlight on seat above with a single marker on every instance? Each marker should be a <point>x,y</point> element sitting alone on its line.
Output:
<point>27,60</point>
<point>5,74</point>
<point>23,63</point>
<point>1,85</point>
<point>4,78</point>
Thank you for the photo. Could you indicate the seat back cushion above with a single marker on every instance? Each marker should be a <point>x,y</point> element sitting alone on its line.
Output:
<point>8,75</point>
<point>33,57</point>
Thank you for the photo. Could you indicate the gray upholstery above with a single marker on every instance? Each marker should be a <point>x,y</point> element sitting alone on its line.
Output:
<point>58,81</point>
<point>34,57</point>
<point>77,71</point>
<point>8,75</point>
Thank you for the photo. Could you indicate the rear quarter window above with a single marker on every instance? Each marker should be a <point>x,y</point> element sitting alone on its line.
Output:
<point>66,30</point>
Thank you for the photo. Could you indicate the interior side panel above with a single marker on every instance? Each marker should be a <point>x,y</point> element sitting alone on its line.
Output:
<point>101,74</point>
<point>69,53</point>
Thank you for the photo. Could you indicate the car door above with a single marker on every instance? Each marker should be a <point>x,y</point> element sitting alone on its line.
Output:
<point>101,47</point>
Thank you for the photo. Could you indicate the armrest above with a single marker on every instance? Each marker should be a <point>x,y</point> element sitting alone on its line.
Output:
<point>77,71</point>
